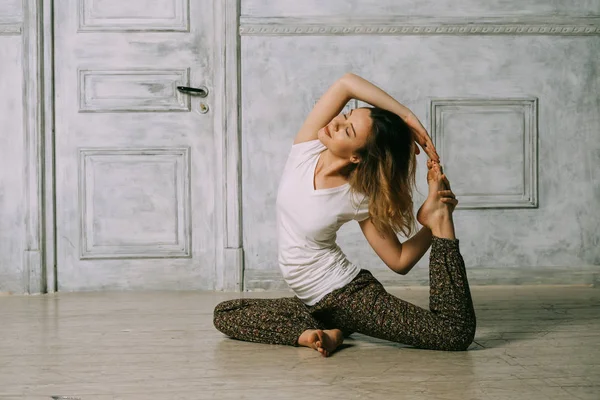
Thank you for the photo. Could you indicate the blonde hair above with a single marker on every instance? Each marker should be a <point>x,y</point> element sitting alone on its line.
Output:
<point>386,173</point>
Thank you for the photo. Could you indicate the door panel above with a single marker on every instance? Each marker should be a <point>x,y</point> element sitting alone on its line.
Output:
<point>134,156</point>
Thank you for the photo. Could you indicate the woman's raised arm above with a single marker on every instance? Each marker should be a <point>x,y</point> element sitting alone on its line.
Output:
<point>364,90</point>
<point>328,106</point>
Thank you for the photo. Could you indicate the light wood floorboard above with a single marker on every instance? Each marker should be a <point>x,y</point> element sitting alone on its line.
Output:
<point>537,342</point>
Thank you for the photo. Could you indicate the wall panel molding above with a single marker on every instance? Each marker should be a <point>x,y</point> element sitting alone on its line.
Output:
<point>93,247</point>
<point>401,25</point>
<point>8,29</point>
<point>524,114</point>
<point>93,19</point>
<point>132,90</point>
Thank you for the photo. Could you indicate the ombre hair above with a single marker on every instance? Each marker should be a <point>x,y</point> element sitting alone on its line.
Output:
<point>386,173</point>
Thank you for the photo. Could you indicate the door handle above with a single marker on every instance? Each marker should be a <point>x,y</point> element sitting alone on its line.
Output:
<point>202,91</point>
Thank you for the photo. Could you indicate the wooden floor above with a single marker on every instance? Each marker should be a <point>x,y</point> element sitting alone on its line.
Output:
<point>531,343</point>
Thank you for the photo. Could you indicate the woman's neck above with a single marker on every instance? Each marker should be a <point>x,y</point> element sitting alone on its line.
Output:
<point>332,166</point>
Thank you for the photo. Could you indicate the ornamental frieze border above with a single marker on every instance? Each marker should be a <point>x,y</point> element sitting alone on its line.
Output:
<point>325,26</point>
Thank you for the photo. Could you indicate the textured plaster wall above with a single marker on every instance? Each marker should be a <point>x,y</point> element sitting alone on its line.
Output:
<point>282,76</point>
<point>426,7</point>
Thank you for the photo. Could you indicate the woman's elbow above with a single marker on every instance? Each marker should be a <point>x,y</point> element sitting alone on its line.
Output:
<point>347,79</point>
<point>403,272</point>
<point>400,269</point>
<point>403,269</point>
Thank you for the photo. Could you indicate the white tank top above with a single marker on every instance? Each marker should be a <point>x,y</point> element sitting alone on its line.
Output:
<point>311,262</point>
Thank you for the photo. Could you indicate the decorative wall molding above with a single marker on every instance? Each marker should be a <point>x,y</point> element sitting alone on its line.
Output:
<point>149,90</point>
<point>180,243</point>
<point>92,19</point>
<point>526,112</point>
<point>7,28</point>
<point>230,252</point>
<point>402,25</point>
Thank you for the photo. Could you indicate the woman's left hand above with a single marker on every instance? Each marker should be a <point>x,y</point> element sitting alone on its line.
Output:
<point>421,137</point>
<point>448,197</point>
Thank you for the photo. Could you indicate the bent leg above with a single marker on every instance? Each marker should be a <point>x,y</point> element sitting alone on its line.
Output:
<point>271,321</point>
<point>366,307</point>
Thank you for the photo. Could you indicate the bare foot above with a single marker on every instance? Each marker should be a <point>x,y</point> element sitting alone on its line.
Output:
<point>433,207</point>
<point>324,341</point>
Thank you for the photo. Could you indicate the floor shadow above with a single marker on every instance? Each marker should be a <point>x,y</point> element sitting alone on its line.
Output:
<point>527,317</point>
<point>344,346</point>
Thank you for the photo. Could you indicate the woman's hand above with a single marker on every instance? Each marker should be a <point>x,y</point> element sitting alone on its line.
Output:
<point>447,196</point>
<point>421,137</point>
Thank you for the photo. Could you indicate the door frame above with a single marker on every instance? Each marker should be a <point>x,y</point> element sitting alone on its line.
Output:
<point>40,268</point>
<point>35,158</point>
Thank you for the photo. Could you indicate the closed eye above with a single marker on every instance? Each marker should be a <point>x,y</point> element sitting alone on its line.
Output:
<point>347,133</point>
<point>352,126</point>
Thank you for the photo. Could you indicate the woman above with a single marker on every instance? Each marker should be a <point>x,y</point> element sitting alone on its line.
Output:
<point>359,166</point>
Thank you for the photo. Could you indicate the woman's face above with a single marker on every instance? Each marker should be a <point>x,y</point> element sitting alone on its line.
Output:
<point>347,133</point>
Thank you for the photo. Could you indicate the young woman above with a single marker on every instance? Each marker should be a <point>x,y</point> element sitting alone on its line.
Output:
<point>359,166</point>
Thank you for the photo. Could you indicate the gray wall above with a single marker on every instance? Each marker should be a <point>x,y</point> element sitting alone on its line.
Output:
<point>12,148</point>
<point>514,112</point>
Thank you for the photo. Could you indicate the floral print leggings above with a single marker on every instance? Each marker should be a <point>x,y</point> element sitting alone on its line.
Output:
<point>363,306</point>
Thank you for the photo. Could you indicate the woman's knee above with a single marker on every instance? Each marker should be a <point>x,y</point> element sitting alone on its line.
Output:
<point>222,307</point>
<point>220,314</point>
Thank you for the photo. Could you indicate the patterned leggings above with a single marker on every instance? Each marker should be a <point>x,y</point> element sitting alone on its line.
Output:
<point>364,306</point>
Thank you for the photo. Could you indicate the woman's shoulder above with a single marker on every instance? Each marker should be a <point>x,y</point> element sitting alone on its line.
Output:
<point>305,143</point>
<point>307,147</point>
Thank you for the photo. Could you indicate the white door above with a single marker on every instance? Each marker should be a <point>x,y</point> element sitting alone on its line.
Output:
<point>134,156</point>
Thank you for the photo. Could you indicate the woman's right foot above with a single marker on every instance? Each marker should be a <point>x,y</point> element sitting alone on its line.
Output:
<point>324,341</point>
<point>433,208</point>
